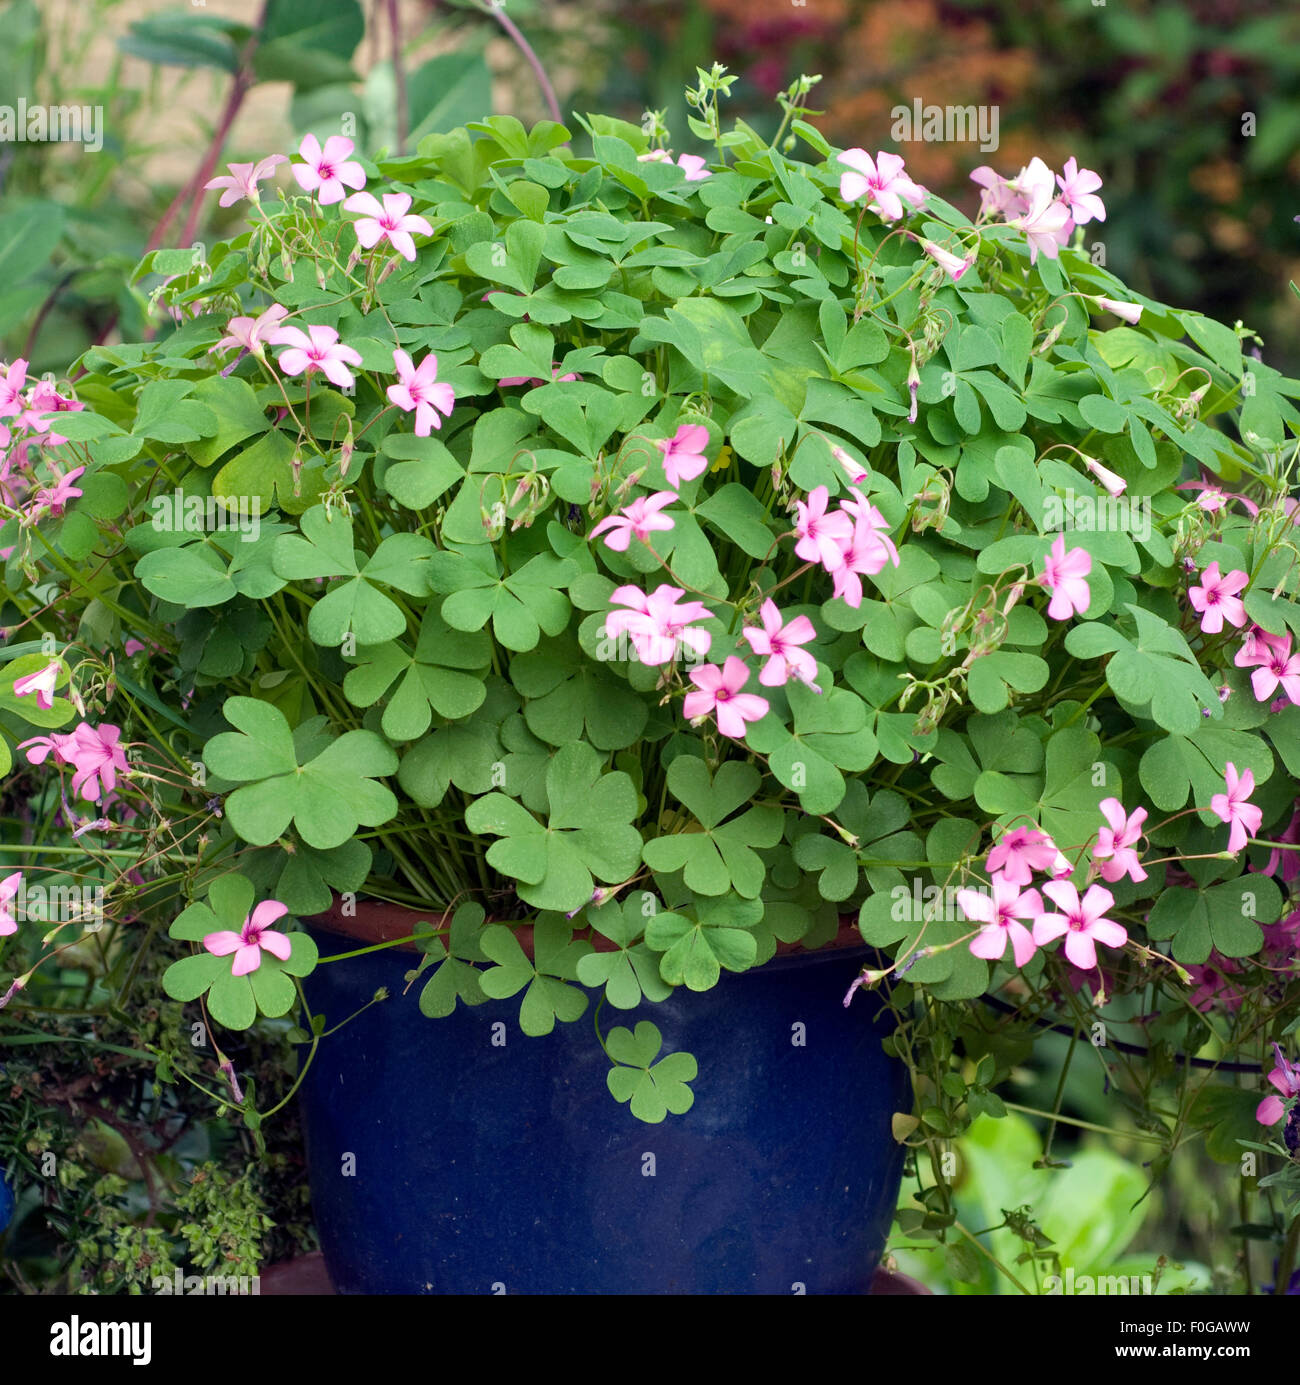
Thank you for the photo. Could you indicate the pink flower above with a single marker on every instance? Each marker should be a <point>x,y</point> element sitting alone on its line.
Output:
<point>997,196</point>
<point>1279,666</point>
<point>254,334</point>
<point>640,519</point>
<point>1112,484</point>
<point>821,535</point>
<point>1022,851</point>
<point>1064,576</point>
<point>327,170</point>
<point>659,624</point>
<point>1259,646</point>
<point>1130,312</point>
<point>1286,1078</point>
<point>952,265</point>
<point>243,179</point>
<point>12,383</point>
<point>719,693</point>
<point>9,887</point>
<point>882,182</point>
<point>420,390</point>
<point>693,166</point>
<point>97,759</point>
<point>1046,225</point>
<point>45,399</point>
<point>40,748</point>
<point>58,497</point>
<point>390,222</point>
<point>41,683</point>
<point>1285,864</point>
<point>318,348</point>
<point>1232,807</point>
<point>1079,194</point>
<point>1001,914</point>
<point>779,643</point>
<point>854,470</point>
<point>867,551</point>
<point>255,937</point>
<point>1216,599</point>
<point>1083,922</point>
<point>1034,183</point>
<point>683,453</point>
<point>1115,843</point>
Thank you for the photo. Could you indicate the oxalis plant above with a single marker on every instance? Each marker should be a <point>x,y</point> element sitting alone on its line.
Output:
<point>680,552</point>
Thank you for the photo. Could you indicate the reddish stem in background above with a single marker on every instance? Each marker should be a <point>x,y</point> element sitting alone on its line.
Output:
<point>399,79</point>
<point>512,30</point>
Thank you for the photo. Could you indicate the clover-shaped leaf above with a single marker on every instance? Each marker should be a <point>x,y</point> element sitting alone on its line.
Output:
<point>327,797</point>
<point>569,697</point>
<point>521,605</point>
<point>696,949</point>
<point>631,973</point>
<point>588,832</point>
<point>654,1089</point>
<point>556,956</point>
<point>716,856</point>
<point>235,1001</point>
<point>455,975</point>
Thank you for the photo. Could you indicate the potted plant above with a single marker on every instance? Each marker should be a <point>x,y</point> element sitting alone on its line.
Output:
<point>625,567</point>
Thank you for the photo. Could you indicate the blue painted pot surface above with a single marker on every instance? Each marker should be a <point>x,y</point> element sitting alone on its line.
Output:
<point>441,1163</point>
<point>6,1204</point>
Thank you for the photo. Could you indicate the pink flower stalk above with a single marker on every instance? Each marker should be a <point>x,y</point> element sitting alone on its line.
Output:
<point>318,348</point>
<point>1083,922</point>
<point>327,170</point>
<point>243,179</point>
<point>659,624</point>
<point>1047,227</point>
<point>1232,807</point>
<point>1079,194</point>
<point>821,535</point>
<point>1001,913</point>
<point>1022,851</point>
<point>684,458</point>
<point>719,693</point>
<point>254,334</point>
<point>59,496</point>
<point>882,182</point>
<point>1115,843</point>
<point>9,887</point>
<point>1112,484</point>
<point>639,519</point>
<point>1286,1078</point>
<point>421,391</point>
<point>255,937</point>
<point>1064,575</point>
<point>778,643</point>
<point>1216,599</point>
<point>1130,312</point>
<point>41,683</point>
<point>954,266</point>
<point>1280,667</point>
<point>391,222</point>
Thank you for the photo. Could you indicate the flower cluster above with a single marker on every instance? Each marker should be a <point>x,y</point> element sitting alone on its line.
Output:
<point>32,482</point>
<point>1046,206</point>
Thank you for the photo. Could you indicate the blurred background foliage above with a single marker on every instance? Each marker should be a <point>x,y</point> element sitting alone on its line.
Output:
<point>1189,110</point>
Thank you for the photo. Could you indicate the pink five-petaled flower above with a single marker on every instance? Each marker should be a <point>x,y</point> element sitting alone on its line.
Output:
<point>13,380</point>
<point>1001,912</point>
<point>867,550</point>
<point>254,938</point>
<point>1065,576</point>
<point>327,170</point>
<point>96,757</point>
<point>640,519</point>
<point>1130,312</point>
<point>1216,598</point>
<point>254,334</point>
<point>318,348</point>
<point>421,391</point>
<point>659,624</point>
<point>1285,1077</point>
<point>1277,666</point>
<point>1079,193</point>
<point>1083,922</point>
<point>1232,807</point>
<point>41,683</point>
<point>821,535</point>
<point>1022,851</point>
<point>1046,225</point>
<point>392,222</point>
<point>1258,646</point>
<point>59,496</point>
<point>9,887</point>
<point>952,265</point>
<point>683,453</point>
<point>779,643</point>
<point>243,179</point>
<point>1115,843</point>
<point>692,165</point>
<point>882,181</point>
<point>719,693</point>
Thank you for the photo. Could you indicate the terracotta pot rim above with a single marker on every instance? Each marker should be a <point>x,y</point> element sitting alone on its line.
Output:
<point>381,921</point>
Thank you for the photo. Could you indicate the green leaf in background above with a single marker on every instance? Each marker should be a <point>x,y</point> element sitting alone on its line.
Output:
<point>309,45</point>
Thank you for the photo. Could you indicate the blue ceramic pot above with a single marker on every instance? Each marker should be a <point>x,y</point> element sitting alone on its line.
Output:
<point>441,1163</point>
<point>6,1204</point>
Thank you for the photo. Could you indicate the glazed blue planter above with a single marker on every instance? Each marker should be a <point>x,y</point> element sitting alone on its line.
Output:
<point>6,1204</point>
<point>441,1163</point>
